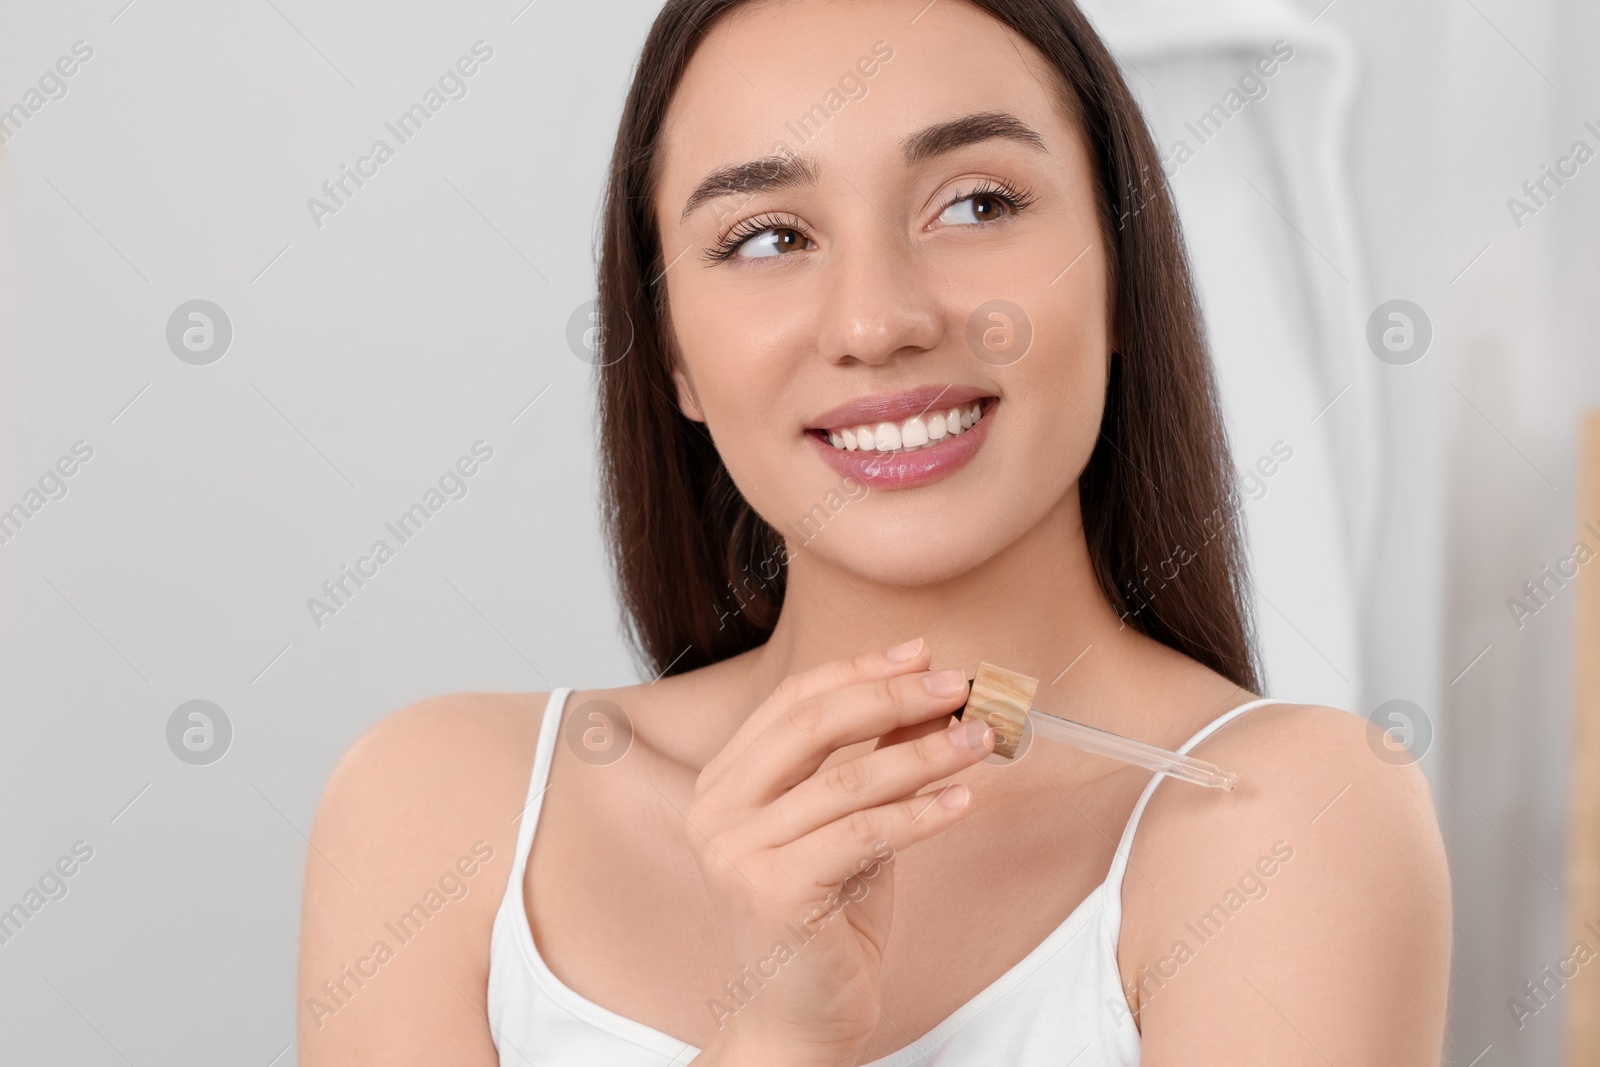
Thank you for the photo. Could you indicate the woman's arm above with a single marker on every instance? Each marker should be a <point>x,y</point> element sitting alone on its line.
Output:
<point>410,854</point>
<point>1305,918</point>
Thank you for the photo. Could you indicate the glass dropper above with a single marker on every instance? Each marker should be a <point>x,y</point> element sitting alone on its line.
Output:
<point>1126,749</point>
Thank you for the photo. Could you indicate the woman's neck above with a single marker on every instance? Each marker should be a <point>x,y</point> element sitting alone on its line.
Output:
<point>1035,607</point>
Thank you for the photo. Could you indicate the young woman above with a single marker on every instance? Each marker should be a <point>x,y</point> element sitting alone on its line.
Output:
<point>903,371</point>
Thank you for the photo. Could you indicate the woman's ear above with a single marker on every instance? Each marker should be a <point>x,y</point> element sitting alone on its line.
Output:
<point>688,402</point>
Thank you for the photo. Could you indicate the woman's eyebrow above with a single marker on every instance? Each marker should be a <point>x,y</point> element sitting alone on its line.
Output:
<point>756,176</point>
<point>780,172</point>
<point>969,129</point>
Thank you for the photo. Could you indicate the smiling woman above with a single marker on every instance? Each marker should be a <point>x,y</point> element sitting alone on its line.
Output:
<point>681,858</point>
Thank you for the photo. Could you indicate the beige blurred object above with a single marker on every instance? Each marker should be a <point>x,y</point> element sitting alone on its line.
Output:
<point>1002,699</point>
<point>1583,848</point>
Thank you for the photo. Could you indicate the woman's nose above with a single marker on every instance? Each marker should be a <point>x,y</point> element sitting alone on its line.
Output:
<point>880,297</point>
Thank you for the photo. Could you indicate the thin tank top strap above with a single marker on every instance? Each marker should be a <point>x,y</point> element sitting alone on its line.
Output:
<point>1119,862</point>
<point>544,753</point>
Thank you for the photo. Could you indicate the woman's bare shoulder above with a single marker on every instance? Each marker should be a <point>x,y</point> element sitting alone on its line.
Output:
<point>1298,765</point>
<point>1324,869</point>
<point>410,854</point>
<point>445,763</point>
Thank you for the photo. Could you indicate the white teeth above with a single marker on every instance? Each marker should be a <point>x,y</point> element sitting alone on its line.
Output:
<point>918,431</point>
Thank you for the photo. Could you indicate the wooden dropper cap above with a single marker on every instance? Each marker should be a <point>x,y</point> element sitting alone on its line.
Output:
<point>1001,698</point>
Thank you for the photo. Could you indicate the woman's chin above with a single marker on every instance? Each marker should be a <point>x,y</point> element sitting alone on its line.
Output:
<point>884,559</point>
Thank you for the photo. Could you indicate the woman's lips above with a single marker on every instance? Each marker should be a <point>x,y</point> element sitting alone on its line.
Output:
<point>907,470</point>
<point>896,407</point>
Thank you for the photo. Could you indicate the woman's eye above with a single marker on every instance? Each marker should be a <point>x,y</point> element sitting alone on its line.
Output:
<point>763,237</point>
<point>979,207</point>
<point>771,242</point>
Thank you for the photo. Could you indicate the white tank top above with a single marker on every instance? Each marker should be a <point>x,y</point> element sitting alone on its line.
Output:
<point>1061,1004</point>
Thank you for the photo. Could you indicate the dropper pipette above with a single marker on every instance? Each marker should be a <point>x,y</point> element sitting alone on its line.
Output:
<point>1126,749</point>
<point>1090,738</point>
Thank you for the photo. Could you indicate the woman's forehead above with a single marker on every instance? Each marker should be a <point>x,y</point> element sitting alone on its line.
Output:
<point>844,80</point>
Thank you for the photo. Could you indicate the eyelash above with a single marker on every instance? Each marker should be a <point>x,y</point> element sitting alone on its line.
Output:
<point>1016,200</point>
<point>729,246</point>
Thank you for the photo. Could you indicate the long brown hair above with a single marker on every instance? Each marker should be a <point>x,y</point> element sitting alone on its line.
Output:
<point>701,576</point>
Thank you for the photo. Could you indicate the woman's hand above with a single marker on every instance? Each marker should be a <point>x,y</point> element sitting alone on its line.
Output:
<point>800,861</point>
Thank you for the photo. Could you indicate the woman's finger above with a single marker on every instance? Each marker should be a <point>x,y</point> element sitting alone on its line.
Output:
<point>867,781</point>
<point>912,656</point>
<point>797,742</point>
<point>836,851</point>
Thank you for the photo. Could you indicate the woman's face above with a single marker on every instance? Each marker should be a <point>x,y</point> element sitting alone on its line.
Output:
<point>918,234</point>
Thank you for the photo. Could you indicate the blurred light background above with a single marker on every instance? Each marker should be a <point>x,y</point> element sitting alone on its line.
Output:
<point>347,360</point>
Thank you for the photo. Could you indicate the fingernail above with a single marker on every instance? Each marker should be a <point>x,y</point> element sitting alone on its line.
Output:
<point>901,653</point>
<point>972,736</point>
<point>945,683</point>
<point>954,797</point>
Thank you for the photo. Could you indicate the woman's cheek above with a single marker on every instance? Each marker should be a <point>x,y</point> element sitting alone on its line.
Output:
<point>1067,381</point>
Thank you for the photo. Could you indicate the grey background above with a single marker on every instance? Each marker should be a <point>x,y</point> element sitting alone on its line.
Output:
<point>431,312</point>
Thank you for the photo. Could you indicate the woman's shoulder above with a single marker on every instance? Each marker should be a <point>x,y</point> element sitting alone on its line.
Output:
<point>410,854</point>
<point>468,746</point>
<point>1329,849</point>
<point>426,784</point>
<point>1313,777</point>
<point>448,769</point>
<point>1291,757</point>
